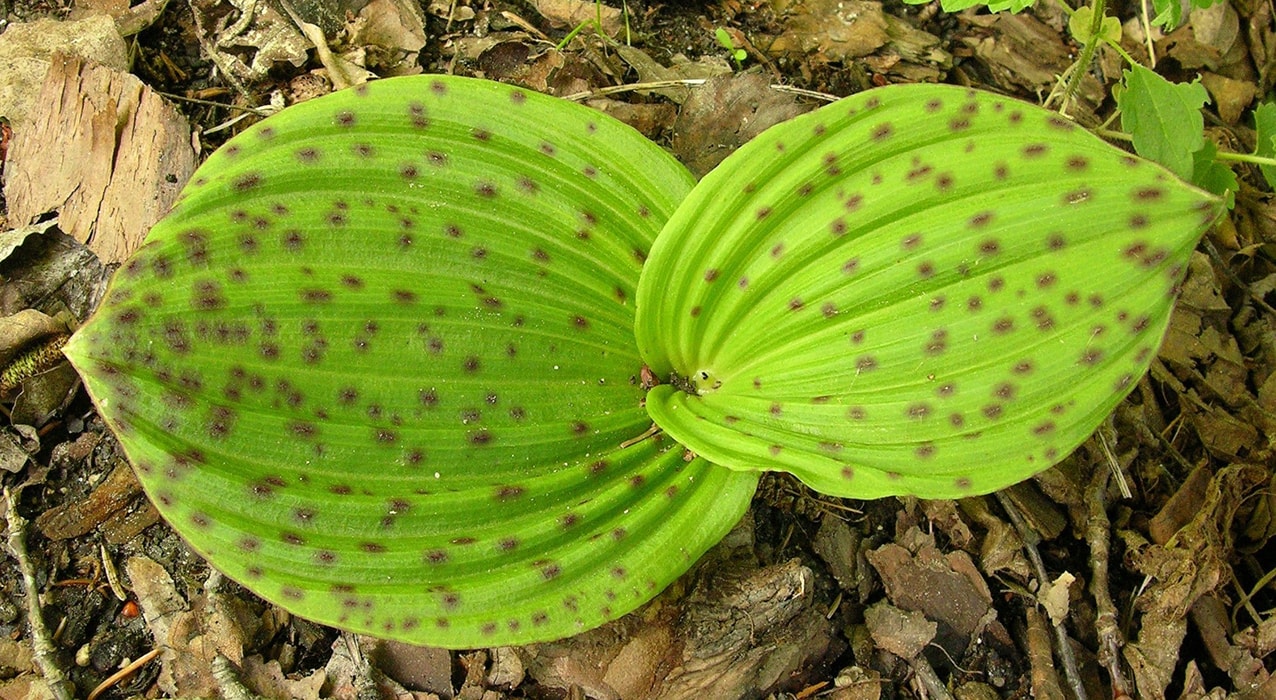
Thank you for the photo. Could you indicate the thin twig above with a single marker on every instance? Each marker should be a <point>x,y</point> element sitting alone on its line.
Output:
<point>687,82</point>
<point>1113,464</point>
<point>41,641</point>
<point>213,103</point>
<point>1106,624</point>
<point>630,87</point>
<point>1030,540</point>
<point>125,672</point>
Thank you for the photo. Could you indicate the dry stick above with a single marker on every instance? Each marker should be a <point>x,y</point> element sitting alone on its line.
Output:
<point>928,678</point>
<point>1030,540</point>
<point>1045,682</point>
<point>41,641</point>
<point>1106,623</point>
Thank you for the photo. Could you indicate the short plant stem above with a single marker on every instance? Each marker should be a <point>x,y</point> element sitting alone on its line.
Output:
<point>570,35</point>
<point>1113,135</point>
<point>1030,539</point>
<point>41,641</point>
<point>1087,54</point>
<point>1244,158</point>
<point>1117,47</point>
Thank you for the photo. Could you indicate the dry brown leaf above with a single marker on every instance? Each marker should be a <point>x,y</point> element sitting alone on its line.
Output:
<point>651,71</point>
<point>1182,506</point>
<point>342,72</point>
<point>1231,97</point>
<point>570,13</point>
<point>1023,53</point>
<point>18,443</point>
<point>724,114</point>
<point>267,679</point>
<point>945,515</point>
<point>1191,564</point>
<point>118,491</point>
<point>21,330</point>
<point>166,612</point>
<point>1222,433</point>
<point>394,32</point>
<point>1055,597</point>
<point>258,30</point>
<point>833,31</point>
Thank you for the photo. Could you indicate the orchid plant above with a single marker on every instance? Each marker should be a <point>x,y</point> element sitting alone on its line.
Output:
<point>452,362</point>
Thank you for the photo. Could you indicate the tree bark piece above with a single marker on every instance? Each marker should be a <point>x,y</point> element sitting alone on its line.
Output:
<point>104,152</point>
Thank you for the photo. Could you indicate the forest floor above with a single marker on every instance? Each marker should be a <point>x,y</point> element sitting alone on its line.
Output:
<point>1061,584</point>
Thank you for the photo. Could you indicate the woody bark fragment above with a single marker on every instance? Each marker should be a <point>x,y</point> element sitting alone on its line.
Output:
<point>104,152</point>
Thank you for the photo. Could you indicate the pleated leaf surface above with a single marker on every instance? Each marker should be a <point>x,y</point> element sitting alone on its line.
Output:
<point>916,290</point>
<point>378,365</point>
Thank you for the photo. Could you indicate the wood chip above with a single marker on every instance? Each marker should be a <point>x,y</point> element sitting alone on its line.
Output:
<point>104,152</point>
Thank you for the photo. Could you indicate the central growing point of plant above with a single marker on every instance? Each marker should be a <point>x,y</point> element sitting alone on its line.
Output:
<point>386,361</point>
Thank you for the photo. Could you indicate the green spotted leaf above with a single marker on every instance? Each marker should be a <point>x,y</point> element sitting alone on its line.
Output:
<point>378,365</point>
<point>916,290</point>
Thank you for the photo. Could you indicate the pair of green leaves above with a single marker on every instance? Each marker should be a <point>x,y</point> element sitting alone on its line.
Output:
<point>387,361</point>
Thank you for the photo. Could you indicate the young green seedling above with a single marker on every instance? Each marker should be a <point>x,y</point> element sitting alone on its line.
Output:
<point>382,365</point>
<point>724,40</point>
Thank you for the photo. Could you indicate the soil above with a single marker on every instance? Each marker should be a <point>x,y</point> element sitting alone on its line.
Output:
<point>1057,582</point>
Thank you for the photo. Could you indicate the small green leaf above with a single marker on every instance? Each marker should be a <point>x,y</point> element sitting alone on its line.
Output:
<point>1164,118</point>
<point>724,39</point>
<point>1079,26</point>
<point>1169,13</point>
<point>917,289</point>
<point>378,365</point>
<point>1265,123</point>
<point>1213,176</point>
<point>954,6</point>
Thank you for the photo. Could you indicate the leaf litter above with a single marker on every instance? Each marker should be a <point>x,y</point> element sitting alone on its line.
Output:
<point>1194,561</point>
